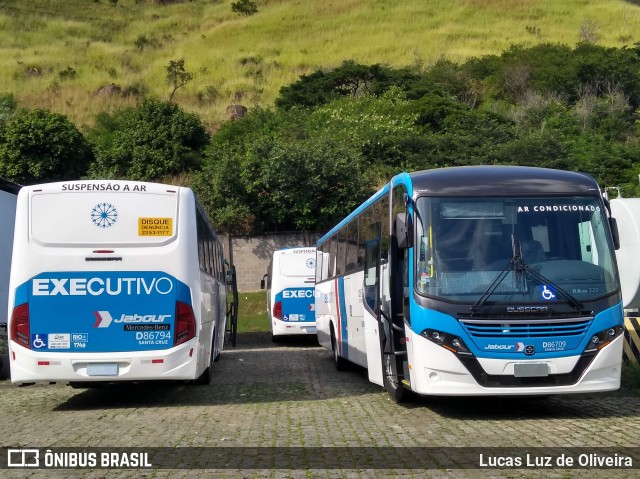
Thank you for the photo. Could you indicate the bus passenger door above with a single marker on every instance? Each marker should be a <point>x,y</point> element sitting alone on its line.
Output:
<point>354,308</point>
<point>371,301</point>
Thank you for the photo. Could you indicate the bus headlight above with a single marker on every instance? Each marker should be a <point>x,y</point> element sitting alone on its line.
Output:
<point>601,339</point>
<point>447,341</point>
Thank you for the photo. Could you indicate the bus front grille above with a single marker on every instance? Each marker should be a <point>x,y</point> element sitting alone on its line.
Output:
<point>525,328</point>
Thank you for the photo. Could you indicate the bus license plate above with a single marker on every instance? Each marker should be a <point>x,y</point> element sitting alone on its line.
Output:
<point>102,369</point>
<point>527,370</point>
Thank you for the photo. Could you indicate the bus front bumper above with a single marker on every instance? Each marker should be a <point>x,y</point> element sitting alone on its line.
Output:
<point>437,371</point>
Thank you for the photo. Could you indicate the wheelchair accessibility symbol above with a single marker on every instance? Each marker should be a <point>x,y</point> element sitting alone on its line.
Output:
<point>37,342</point>
<point>547,293</point>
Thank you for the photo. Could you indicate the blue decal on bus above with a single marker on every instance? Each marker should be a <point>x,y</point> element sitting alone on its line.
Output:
<point>344,334</point>
<point>102,311</point>
<point>298,304</point>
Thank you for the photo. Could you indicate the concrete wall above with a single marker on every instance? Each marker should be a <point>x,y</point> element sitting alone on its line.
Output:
<point>251,254</point>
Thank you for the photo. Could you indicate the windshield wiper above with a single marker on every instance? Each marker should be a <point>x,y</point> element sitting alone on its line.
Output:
<point>544,281</point>
<point>492,287</point>
<point>496,282</point>
<point>520,268</point>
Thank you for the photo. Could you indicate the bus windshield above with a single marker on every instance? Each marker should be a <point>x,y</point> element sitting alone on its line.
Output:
<point>464,244</point>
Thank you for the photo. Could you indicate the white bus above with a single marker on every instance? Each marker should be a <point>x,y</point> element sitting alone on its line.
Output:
<point>8,196</point>
<point>114,281</point>
<point>485,280</point>
<point>290,282</point>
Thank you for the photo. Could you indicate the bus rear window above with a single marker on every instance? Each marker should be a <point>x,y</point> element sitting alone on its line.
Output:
<point>297,264</point>
<point>87,218</point>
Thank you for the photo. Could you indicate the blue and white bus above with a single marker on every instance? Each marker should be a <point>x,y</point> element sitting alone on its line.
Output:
<point>114,281</point>
<point>290,282</point>
<point>475,281</point>
<point>8,196</point>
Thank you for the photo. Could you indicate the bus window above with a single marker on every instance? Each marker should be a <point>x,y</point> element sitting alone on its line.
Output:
<point>333,249</point>
<point>382,213</point>
<point>319,263</point>
<point>352,246</point>
<point>342,244</point>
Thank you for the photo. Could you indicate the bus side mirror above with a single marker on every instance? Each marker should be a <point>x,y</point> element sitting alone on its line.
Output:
<point>404,230</point>
<point>231,277</point>
<point>262,282</point>
<point>614,232</point>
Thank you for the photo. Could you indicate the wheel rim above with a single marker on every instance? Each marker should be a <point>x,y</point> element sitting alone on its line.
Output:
<point>388,372</point>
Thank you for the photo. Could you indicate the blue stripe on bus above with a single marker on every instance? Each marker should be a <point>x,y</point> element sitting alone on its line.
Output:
<point>344,334</point>
<point>422,318</point>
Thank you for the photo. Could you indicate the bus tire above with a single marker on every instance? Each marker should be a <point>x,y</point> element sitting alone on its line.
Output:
<point>217,356</point>
<point>397,393</point>
<point>206,377</point>
<point>339,362</point>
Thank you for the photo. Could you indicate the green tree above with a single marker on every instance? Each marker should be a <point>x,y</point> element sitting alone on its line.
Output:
<point>8,107</point>
<point>348,80</point>
<point>244,7</point>
<point>41,146</point>
<point>148,142</point>
<point>277,171</point>
<point>177,76</point>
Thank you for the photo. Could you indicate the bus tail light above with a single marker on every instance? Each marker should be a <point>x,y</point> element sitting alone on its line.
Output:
<point>20,325</point>
<point>185,327</point>
<point>277,310</point>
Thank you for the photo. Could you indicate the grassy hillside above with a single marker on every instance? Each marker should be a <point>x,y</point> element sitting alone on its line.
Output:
<point>56,54</point>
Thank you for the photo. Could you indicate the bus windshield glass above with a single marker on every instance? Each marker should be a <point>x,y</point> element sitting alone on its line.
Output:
<point>464,244</point>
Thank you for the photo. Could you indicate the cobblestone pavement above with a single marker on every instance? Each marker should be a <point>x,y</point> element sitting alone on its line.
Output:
<point>290,395</point>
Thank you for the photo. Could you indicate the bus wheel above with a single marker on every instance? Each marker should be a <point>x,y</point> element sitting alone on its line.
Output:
<point>396,392</point>
<point>206,377</point>
<point>339,362</point>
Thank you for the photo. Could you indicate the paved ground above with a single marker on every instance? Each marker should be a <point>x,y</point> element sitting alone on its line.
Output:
<point>277,397</point>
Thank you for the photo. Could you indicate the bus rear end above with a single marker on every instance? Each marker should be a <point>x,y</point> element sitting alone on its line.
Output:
<point>101,284</point>
<point>292,302</point>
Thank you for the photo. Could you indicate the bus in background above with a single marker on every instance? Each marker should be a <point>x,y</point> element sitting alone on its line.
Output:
<point>480,280</point>
<point>290,282</point>
<point>627,213</point>
<point>8,197</point>
<point>114,281</point>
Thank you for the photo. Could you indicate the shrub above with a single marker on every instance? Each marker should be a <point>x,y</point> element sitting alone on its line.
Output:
<point>40,146</point>
<point>148,142</point>
<point>244,7</point>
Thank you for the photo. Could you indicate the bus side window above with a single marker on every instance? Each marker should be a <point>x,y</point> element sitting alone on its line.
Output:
<point>370,239</point>
<point>341,256</point>
<point>352,246</point>
<point>382,216</point>
<point>319,266</point>
<point>333,249</point>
